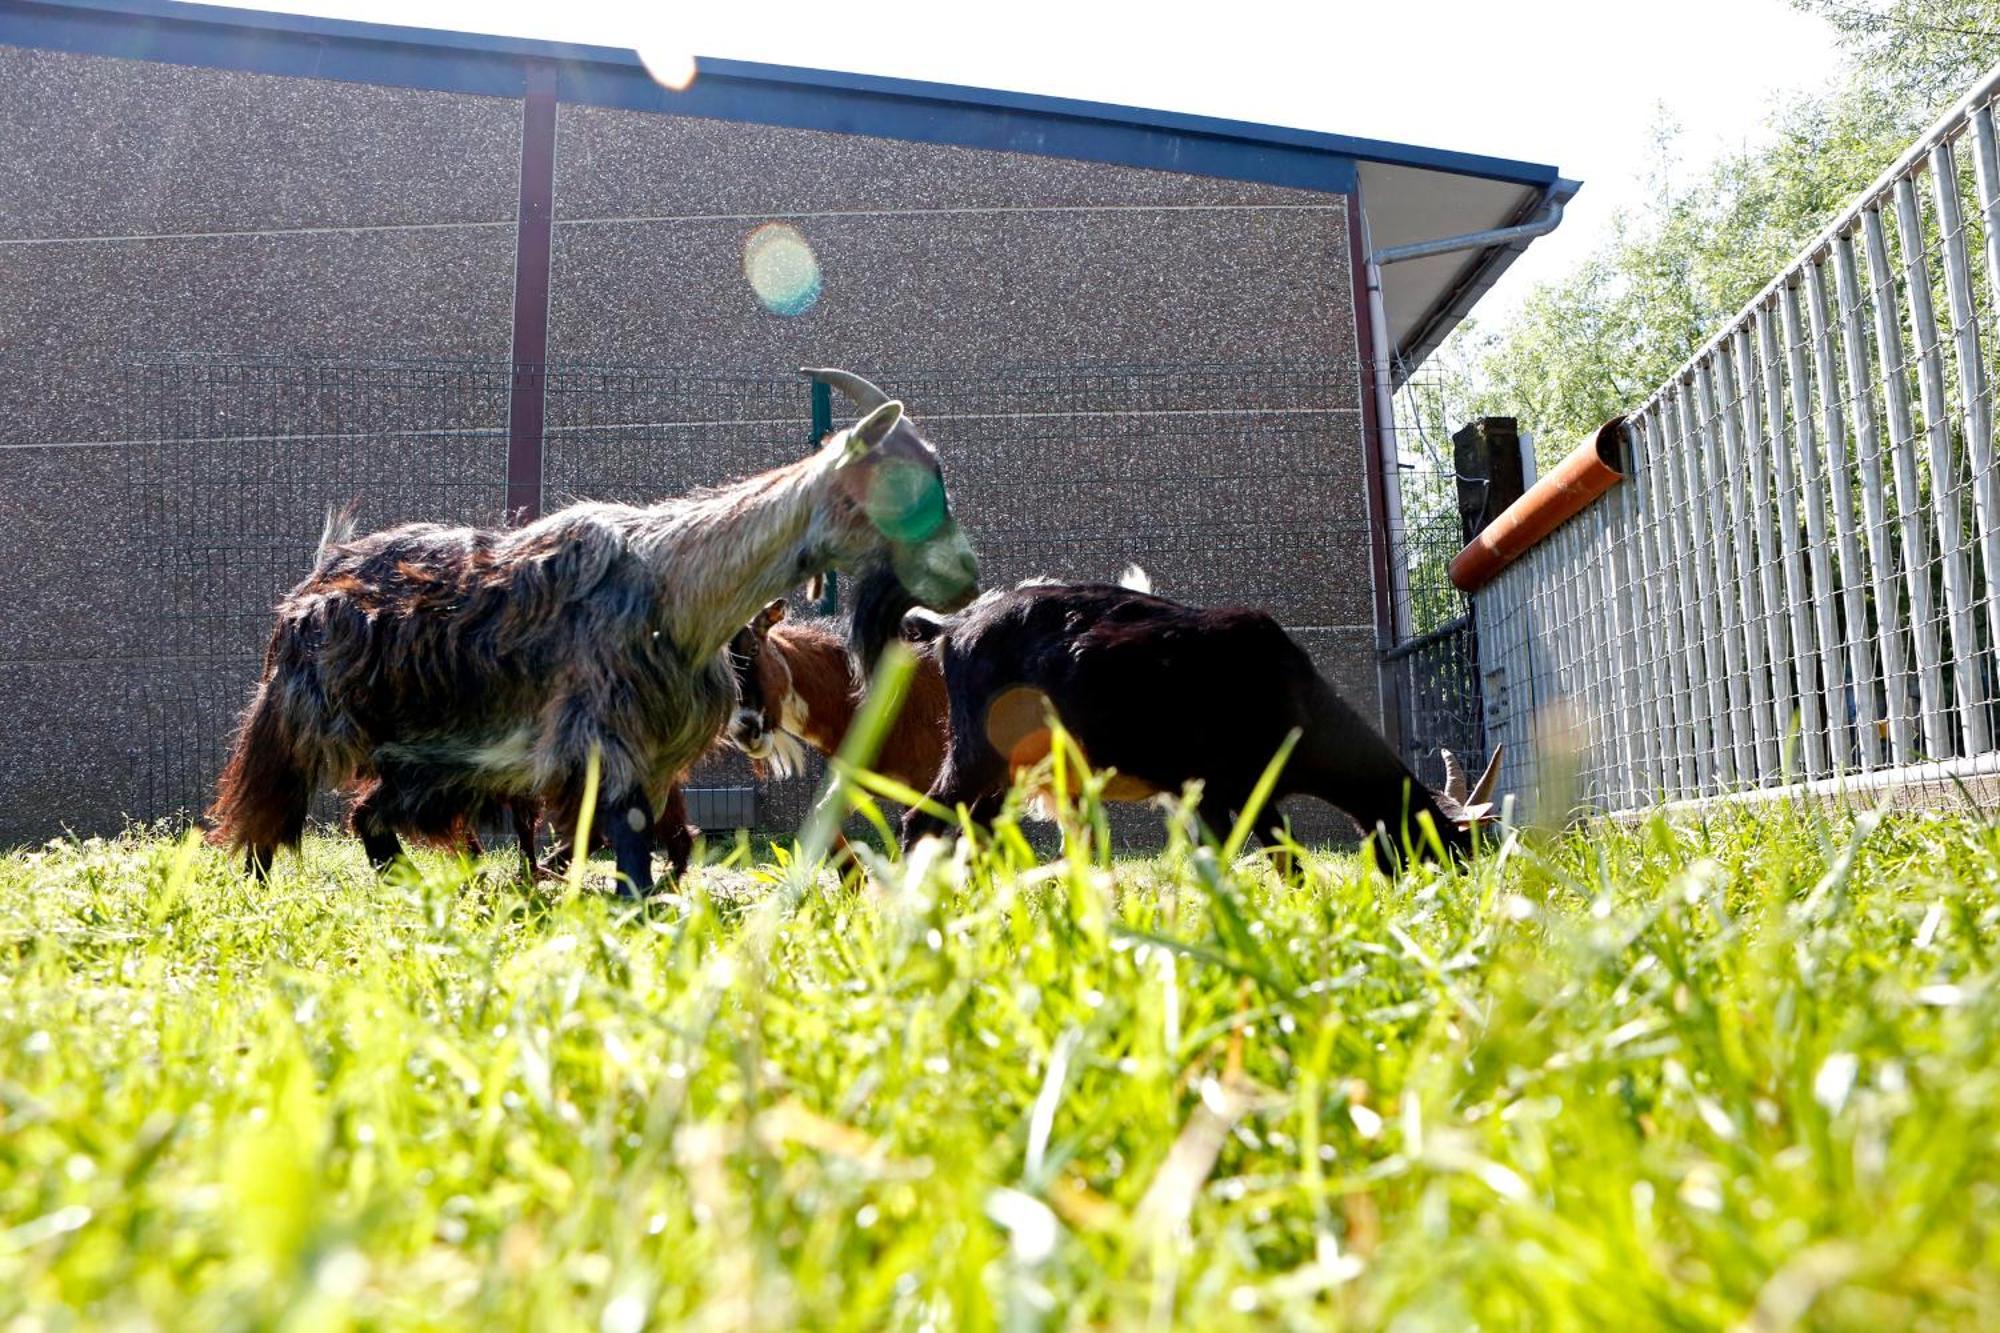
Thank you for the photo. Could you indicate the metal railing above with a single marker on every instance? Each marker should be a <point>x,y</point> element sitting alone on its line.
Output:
<point>1798,579</point>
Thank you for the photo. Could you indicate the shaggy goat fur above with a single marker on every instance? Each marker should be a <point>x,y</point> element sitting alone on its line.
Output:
<point>524,812</point>
<point>454,665</point>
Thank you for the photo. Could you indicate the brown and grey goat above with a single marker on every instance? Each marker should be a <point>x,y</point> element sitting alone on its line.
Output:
<point>458,830</point>
<point>452,665</point>
<point>1165,694</point>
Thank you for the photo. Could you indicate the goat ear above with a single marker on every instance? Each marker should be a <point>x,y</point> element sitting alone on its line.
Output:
<point>1482,791</point>
<point>921,626</point>
<point>872,429</point>
<point>771,614</point>
<point>1454,777</point>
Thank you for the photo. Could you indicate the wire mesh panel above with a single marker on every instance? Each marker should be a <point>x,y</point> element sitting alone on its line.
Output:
<point>1796,579</point>
<point>644,433</point>
<point>228,491</point>
<point>1439,694</point>
<point>1435,665</point>
<point>1229,483</point>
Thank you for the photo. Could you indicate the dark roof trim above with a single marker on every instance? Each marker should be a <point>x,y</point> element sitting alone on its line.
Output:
<point>211,35</point>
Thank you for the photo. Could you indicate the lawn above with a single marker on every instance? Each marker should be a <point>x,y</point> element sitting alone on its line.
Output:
<point>1738,1073</point>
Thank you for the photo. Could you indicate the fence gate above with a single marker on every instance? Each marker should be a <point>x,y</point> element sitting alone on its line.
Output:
<point>1436,667</point>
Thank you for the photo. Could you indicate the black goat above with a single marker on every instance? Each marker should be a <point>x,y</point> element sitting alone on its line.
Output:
<point>1165,694</point>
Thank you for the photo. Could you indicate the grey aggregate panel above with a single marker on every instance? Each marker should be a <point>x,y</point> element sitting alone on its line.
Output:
<point>968,290</point>
<point>76,315</point>
<point>68,569</point>
<point>71,741</point>
<point>103,146</point>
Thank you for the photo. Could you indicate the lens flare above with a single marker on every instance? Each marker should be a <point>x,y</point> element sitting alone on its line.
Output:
<point>905,501</point>
<point>668,65</point>
<point>1017,725</point>
<point>661,41</point>
<point>782,269</point>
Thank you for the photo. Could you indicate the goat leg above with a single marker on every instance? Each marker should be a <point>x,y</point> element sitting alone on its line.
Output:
<point>527,813</point>
<point>370,819</point>
<point>676,834</point>
<point>629,823</point>
<point>974,776</point>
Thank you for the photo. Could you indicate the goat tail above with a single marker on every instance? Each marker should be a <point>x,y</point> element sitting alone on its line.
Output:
<point>1135,579</point>
<point>339,528</point>
<point>266,787</point>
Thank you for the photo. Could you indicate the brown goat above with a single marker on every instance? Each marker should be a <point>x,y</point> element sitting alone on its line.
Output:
<point>797,681</point>
<point>455,665</point>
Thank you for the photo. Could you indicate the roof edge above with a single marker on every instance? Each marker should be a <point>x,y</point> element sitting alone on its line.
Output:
<point>1472,285</point>
<point>1220,134</point>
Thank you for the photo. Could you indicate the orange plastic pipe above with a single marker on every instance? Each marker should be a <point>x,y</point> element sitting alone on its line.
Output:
<point>1590,470</point>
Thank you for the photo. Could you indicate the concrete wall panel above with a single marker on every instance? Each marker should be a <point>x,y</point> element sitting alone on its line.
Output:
<point>984,291</point>
<point>106,147</point>
<point>1193,403</point>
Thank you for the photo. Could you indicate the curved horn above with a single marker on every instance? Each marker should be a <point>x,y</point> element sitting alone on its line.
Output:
<point>1483,791</point>
<point>1454,777</point>
<point>865,395</point>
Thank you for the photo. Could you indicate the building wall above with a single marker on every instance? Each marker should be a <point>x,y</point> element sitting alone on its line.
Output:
<point>151,209</point>
<point>1115,364</point>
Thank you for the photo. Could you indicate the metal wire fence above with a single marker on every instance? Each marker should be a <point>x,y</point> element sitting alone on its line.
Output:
<point>1799,577</point>
<point>1436,663</point>
<point>238,462</point>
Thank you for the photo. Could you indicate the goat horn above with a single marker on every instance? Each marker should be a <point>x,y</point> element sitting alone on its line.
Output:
<point>1454,777</point>
<point>1484,790</point>
<point>865,395</point>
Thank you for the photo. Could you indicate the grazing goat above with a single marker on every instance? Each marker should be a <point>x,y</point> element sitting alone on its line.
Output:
<point>798,681</point>
<point>1165,694</point>
<point>453,665</point>
<point>525,813</point>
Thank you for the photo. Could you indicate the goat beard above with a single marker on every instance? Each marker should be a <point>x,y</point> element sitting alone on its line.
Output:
<point>787,758</point>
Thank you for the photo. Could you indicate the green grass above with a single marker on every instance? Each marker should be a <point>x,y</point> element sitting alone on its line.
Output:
<point>1740,1073</point>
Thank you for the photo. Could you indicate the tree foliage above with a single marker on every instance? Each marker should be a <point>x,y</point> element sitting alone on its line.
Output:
<point>1679,266</point>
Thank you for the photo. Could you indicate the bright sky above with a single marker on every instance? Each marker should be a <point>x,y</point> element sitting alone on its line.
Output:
<point>1575,83</point>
